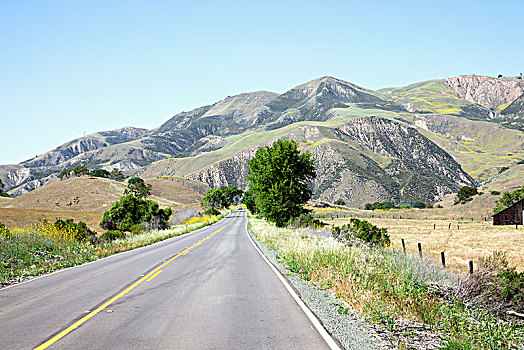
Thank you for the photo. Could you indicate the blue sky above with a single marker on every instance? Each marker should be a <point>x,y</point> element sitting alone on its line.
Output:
<point>69,67</point>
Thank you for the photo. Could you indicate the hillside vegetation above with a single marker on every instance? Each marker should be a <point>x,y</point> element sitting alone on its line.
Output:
<point>86,198</point>
<point>418,142</point>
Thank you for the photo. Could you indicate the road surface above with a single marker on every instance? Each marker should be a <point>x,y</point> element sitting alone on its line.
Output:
<point>209,289</point>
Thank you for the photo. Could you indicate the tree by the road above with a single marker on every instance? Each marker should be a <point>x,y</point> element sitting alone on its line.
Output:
<point>218,198</point>
<point>279,176</point>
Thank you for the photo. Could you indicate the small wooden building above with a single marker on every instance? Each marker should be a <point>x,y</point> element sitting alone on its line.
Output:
<point>510,216</point>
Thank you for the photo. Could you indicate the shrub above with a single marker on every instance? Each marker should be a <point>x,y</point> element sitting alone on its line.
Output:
<point>340,201</point>
<point>465,194</point>
<point>136,229</point>
<point>503,169</point>
<point>380,206</point>
<point>4,231</point>
<point>494,193</point>
<point>79,230</point>
<point>496,285</point>
<point>112,235</point>
<point>363,230</point>
<point>306,220</point>
<point>419,205</point>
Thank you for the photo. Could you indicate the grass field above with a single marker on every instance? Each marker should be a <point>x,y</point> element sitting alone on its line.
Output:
<point>462,232</point>
<point>16,217</point>
<point>85,199</point>
<point>461,240</point>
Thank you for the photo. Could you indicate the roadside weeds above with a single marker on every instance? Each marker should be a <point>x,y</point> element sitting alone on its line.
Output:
<point>403,297</point>
<point>28,253</point>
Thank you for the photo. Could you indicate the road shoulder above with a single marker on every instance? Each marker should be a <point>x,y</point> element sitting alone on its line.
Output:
<point>350,330</point>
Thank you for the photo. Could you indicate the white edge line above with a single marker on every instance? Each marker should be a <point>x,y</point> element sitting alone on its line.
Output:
<point>327,337</point>
<point>104,258</point>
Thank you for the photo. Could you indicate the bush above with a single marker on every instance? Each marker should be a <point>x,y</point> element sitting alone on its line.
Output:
<point>495,285</point>
<point>503,169</point>
<point>363,230</point>
<point>380,206</point>
<point>4,231</point>
<point>80,230</point>
<point>340,201</point>
<point>419,205</point>
<point>494,193</point>
<point>132,210</point>
<point>112,235</point>
<point>136,229</point>
<point>306,220</point>
<point>465,194</point>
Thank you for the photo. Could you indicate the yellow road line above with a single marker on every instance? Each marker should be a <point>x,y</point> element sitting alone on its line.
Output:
<point>156,274</point>
<point>148,277</point>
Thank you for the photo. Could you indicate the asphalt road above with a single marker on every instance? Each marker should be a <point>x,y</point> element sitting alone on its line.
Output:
<point>209,289</point>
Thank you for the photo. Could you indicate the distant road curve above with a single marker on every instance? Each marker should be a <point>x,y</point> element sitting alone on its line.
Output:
<point>209,289</point>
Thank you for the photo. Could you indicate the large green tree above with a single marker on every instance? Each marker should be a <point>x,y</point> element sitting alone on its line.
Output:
<point>218,198</point>
<point>508,199</point>
<point>279,176</point>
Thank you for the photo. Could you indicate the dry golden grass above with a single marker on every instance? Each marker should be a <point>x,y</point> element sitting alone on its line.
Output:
<point>463,241</point>
<point>15,217</point>
<point>175,191</point>
<point>85,199</point>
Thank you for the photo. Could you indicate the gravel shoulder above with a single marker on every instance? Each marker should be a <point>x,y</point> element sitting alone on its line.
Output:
<point>351,330</point>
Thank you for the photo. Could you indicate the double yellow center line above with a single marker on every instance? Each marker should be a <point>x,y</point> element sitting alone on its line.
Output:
<point>152,274</point>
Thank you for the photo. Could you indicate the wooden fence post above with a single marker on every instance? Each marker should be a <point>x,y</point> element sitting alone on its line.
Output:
<point>434,225</point>
<point>443,258</point>
<point>403,246</point>
<point>470,267</point>
<point>420,249</point>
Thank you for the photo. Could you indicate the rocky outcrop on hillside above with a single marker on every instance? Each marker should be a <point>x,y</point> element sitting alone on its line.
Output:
<point>124,134</point>
<point>416,168</point>
<point>66,152</point>
<point>229,172</point>
<point>486,91</point>
<point>368,157</point>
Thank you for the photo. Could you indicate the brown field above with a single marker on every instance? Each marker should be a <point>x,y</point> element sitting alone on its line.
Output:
<point>85,199</point>
<point>14,217</point>
<point>463,241</point>
<point>175,191</point>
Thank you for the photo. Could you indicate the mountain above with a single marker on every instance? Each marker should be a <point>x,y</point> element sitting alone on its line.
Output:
<point>470,96</point>
<point>418,142</point>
